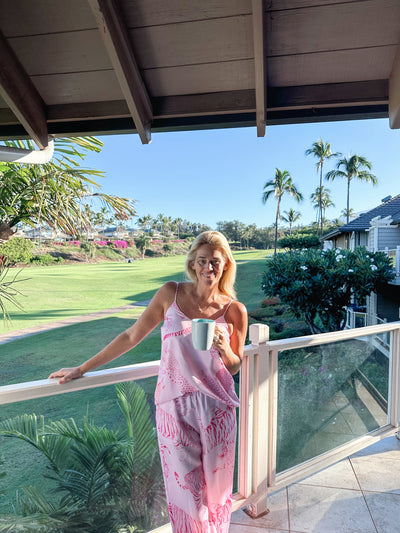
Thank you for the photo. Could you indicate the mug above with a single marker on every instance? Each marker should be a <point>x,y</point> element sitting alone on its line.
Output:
<point>202,333</point>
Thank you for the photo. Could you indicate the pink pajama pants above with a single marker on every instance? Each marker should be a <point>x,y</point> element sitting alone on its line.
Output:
<point>196,437</point>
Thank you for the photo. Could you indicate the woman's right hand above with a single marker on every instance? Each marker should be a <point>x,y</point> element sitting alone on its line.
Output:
<point>67,374</point>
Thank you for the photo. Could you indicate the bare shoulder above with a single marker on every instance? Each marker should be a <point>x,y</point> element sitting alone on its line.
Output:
<point>237,311</point>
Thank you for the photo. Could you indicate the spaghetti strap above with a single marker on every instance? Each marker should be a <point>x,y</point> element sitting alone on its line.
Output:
<point>176,291</point>
<point>227,307</point>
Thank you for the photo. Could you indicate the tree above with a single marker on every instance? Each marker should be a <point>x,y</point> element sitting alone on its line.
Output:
<point>318,285</point>
<point>142,242</point>
<point>321,200</point>
<point>355,166</point>
<point>321,151</point>
<point>291,217</point>
<point>282,184</point>
<point>348,214</point>
<point>55,192</point>
<point>109,480</point>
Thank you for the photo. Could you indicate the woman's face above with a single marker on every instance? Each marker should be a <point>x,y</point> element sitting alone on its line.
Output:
<point>209,265</point>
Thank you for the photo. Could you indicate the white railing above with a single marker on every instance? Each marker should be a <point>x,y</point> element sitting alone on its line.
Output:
<point>258,407</point>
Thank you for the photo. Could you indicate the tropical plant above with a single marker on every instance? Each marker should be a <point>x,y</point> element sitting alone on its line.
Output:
<point>53,193</point>
<point>321,151</point>
<point>318,285</point>
<point>291,217</point>
<point>348,214</point>
<point>108,480</point>
<point>321,200</point>
<point>282,184</point>
<point>8,291</point>
<point>355,166</point>
<point>142,241</point>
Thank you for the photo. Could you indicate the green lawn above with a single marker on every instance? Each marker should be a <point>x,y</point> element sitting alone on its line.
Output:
<point>56,292</point>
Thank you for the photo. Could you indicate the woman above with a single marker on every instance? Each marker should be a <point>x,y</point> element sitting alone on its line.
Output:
<point>195,396</point>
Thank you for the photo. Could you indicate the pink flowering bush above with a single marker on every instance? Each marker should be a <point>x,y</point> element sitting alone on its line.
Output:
<point>74,243</point>
<point>120,244</point>
<point>101,243</point>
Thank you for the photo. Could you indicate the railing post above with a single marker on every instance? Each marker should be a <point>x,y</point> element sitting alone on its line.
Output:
<point>394,380</point>
<point>259,336</point>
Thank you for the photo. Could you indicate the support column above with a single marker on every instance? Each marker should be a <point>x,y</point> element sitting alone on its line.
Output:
<point>259,336</point>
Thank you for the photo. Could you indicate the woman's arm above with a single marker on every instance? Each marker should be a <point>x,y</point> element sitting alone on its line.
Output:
<point>232,353</point>
<point>127,340</point>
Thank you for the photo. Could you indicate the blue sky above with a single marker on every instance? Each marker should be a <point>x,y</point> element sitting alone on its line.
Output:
<point>212,175</point>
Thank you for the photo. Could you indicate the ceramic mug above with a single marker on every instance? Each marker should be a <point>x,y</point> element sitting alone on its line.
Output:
<point>202,333</point>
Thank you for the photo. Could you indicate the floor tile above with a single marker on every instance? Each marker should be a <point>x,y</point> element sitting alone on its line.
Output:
<point>388,447</point>
<point>384,509</point>
<point>377,473</point>
<point>277,518</point>
<point>340,475</point>
<point>328,510</point>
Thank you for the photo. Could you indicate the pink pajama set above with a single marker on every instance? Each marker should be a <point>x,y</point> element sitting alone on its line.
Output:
<point>196,425</point>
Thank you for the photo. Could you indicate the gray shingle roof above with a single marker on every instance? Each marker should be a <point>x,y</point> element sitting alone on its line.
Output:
<point>362,222</point>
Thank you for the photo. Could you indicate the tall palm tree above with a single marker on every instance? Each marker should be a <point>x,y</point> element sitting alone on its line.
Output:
<point>291,217</point>
<point>321,151</point>
<point>348,213</point>
<point>321,200</point>
<point>282,184</point>
<point>355,166</point>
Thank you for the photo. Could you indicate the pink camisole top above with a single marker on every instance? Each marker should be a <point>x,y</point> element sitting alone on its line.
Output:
<point>185,370</point>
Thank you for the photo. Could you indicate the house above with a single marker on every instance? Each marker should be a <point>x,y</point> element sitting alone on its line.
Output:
<point>378,230</point>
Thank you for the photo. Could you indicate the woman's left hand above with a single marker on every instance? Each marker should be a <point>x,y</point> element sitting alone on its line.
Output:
<point>219,341</point>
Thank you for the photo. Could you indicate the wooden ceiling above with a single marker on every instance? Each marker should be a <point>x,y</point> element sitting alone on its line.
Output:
<point>82,67</point>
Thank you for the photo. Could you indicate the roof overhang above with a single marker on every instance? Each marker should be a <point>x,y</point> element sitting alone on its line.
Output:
<point>116,66</point>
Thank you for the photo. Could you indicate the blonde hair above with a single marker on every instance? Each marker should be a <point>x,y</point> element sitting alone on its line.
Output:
<point>218,241</point>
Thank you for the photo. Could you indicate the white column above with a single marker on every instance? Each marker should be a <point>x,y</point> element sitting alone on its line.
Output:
<point>259,336</point>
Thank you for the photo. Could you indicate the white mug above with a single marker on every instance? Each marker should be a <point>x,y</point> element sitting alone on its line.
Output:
<point>202,333</point>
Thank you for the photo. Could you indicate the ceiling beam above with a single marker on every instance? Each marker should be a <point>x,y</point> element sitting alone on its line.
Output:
<point>259,65</point>
<point>115,36</point>
<point>18,91</point>
<point>394,92</point>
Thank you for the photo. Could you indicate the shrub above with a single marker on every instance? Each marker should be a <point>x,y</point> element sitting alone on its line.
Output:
<point>17,250</point>
<point>120,244</point>
<point>269,301</point>
<point>45,260</point>
<point>168,247</point>
<point>299,241</point>
<point>319,285</point>
<point>89,248</point>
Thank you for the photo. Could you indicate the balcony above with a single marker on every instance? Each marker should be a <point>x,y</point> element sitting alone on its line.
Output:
<point>316,443</point>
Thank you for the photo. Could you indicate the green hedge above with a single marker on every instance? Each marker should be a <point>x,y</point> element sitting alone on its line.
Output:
<point>17,250</point>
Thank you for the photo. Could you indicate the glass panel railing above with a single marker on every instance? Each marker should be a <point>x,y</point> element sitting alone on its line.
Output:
<point>329,395</point>
<point>85,459</point>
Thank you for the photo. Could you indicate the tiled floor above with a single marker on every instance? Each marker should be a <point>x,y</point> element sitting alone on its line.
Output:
<point>360,494</point>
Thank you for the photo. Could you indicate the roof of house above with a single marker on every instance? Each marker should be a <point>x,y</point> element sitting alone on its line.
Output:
<point>121,66</point>
<point>389,208</point>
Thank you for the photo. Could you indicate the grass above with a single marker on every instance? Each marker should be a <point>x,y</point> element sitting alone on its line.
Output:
<point>60,291</point>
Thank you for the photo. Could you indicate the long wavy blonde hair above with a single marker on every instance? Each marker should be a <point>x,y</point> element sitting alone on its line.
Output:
<point>218,241</point>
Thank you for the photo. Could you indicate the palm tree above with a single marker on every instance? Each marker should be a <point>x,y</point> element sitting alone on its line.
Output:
<point>355,166</point>
<point>109,480</point>
<point>291,217</point>
<point>321,200</point>
<point>280,185</point>
<point>141,242</point>
<point>322,151</point>
<point>348,213</point>
<point>52,193</point>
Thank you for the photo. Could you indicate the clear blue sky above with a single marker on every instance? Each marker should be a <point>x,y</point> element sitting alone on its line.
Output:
<point>212,175</point>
